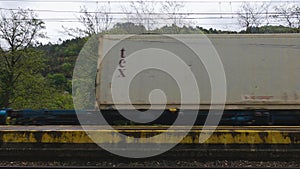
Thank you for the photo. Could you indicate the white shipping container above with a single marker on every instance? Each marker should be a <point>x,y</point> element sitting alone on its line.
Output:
<point>262,71</point>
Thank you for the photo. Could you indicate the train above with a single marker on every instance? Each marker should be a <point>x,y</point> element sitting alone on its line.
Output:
<point>261,78</point>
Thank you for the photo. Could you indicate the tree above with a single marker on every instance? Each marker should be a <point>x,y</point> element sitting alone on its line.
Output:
<point>58,80</point>
<point>19,63</point>
<point>92,22</point>
<point>289,13</point>
<point>297,16</point>
<point>285,14</point>
<point>127,28</point>
<point>172,9</point>
<point>251,15</point>
<point>142,12</point>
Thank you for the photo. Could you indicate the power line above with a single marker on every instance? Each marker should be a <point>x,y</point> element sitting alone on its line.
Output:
<point>122,19</point>
<point>136,18</point>
<point>189,15</point>
<point>132,13</point>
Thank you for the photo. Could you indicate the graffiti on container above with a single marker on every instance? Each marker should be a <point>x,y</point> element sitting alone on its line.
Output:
<point>122,63</point>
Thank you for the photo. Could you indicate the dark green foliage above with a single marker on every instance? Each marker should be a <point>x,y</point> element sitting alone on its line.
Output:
<point>67,48</point>
<point>58,80</point>
<point>173,29</point>
<point>62,57</point>
<point>19,62</point>
<point>131,28</point>
<point>271,29</point>
<point>22,67</point>
<point>127,28</point>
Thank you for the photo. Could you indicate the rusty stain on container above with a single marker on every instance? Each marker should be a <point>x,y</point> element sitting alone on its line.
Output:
<point>296,97</point>
<point>285,96</point>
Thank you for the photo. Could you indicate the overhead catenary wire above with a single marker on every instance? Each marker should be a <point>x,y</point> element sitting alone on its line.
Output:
<point>122,19</point>
<point>189,15</point>
<point>132,13</point>
<point>119,16</point>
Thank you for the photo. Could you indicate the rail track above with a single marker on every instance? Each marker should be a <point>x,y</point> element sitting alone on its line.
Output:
<point>152,163</point>
<point>249,166</point>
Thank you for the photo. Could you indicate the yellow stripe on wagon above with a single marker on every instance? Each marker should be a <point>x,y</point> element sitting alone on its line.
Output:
<point>219,136</point>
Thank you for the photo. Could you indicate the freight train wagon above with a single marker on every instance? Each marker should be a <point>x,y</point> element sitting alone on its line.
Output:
<point>262,74</point>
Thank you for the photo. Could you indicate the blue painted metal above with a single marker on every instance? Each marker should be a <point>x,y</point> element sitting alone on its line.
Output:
<point>65,117</point>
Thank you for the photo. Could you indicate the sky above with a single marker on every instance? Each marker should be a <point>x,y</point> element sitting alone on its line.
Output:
<point>49,11</point>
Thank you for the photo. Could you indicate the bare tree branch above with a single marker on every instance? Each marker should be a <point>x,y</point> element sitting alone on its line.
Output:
<point>93,23</point>
<point>252,15</point>
<point>289,13</point>
<point>171,10</point>
<point>142,13</point>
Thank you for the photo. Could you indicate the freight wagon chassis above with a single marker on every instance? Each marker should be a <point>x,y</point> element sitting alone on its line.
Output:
<point>113,117</point>
<point>229,117</point>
